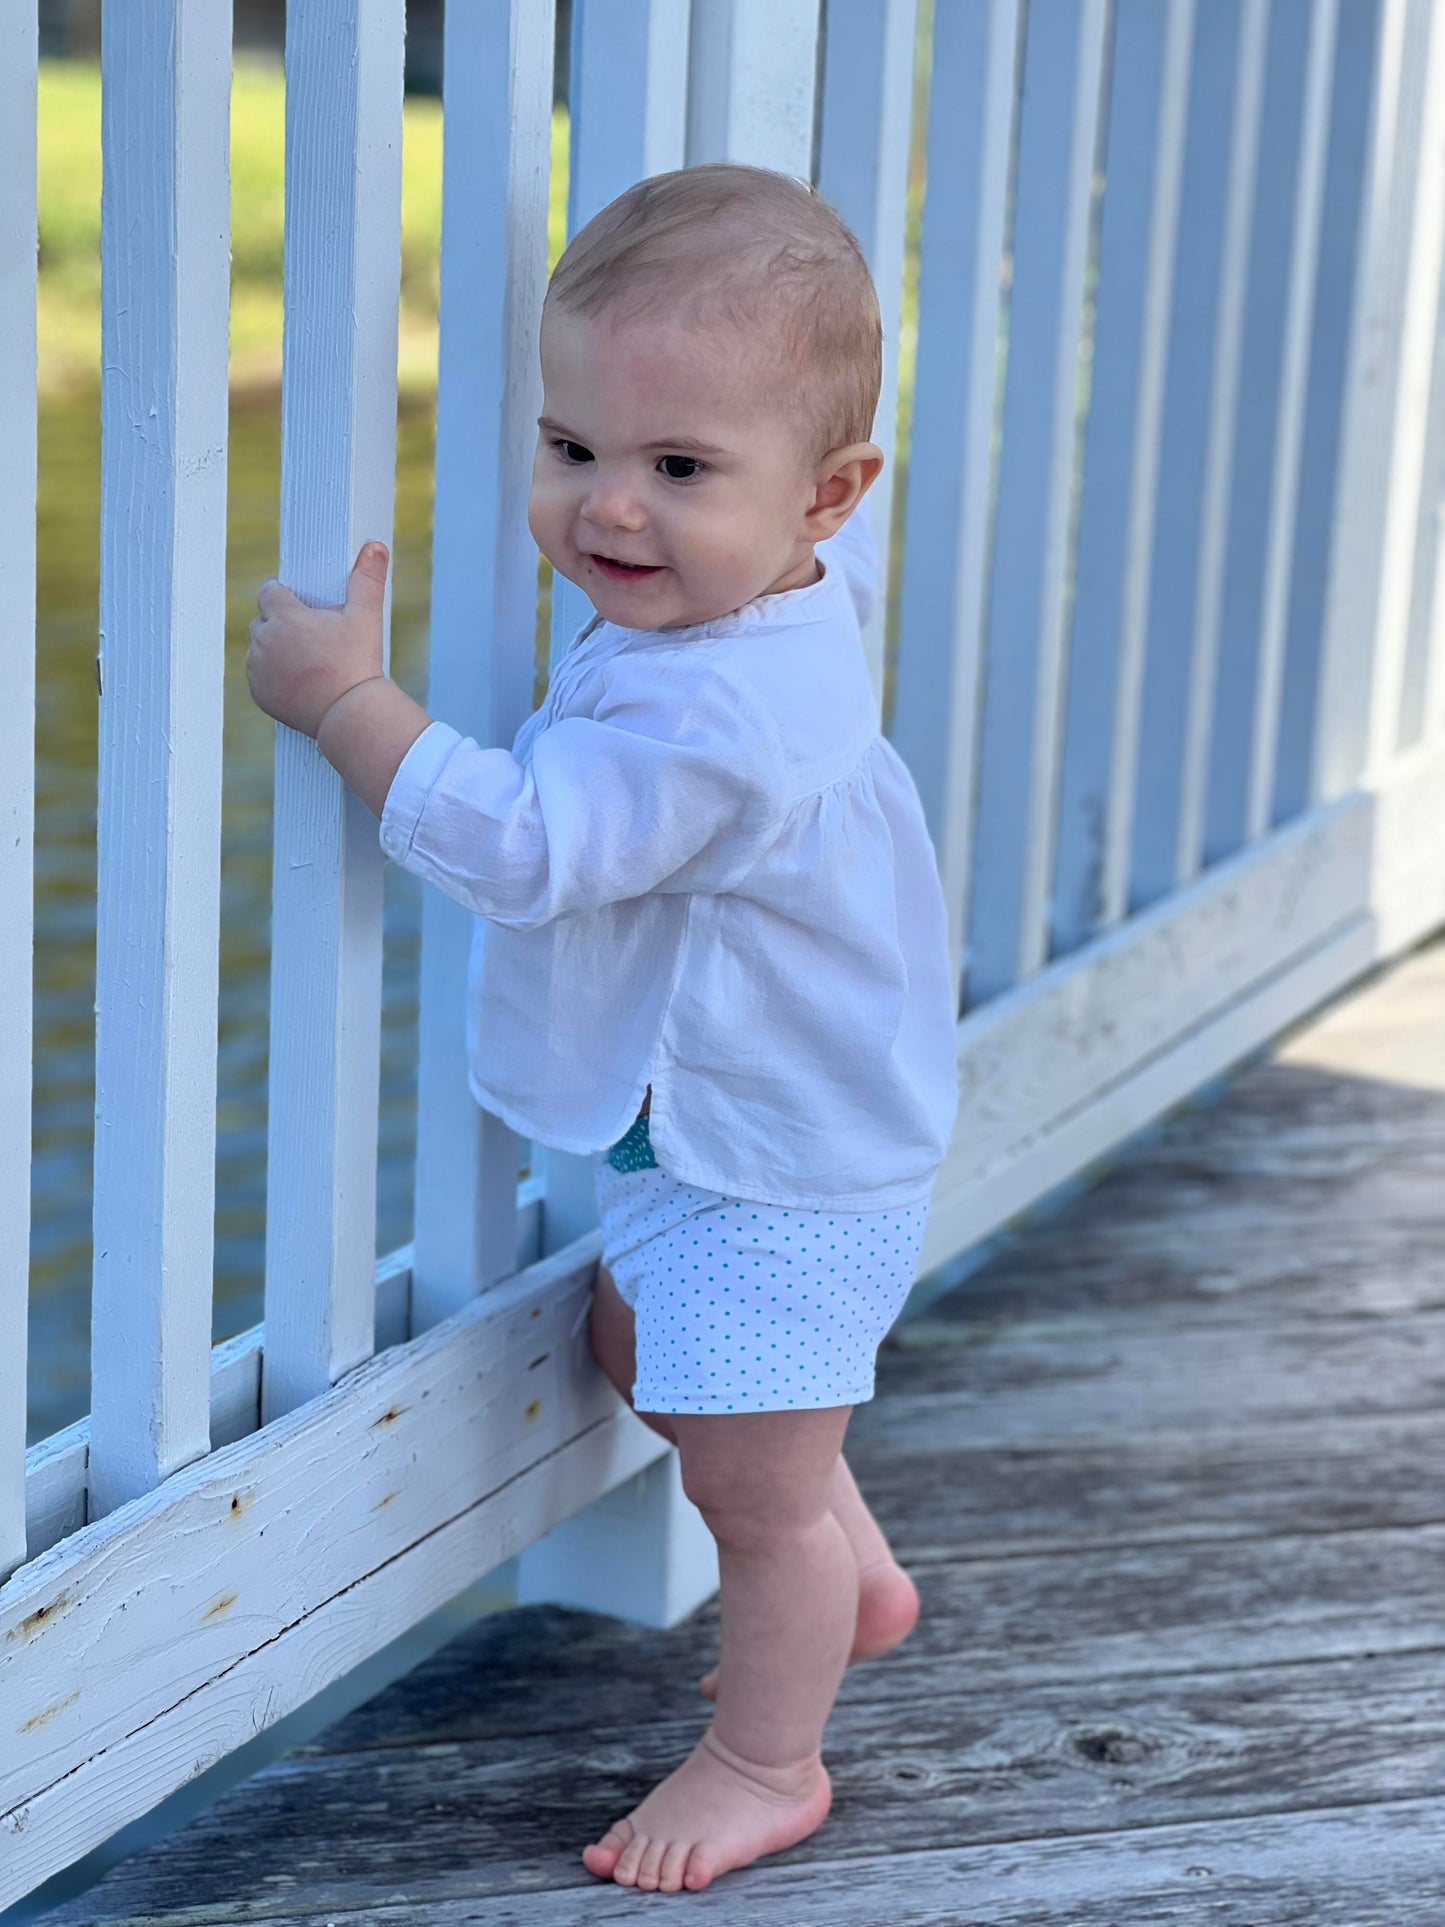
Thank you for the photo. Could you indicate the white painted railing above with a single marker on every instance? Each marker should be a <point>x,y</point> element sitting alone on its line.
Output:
<point>1169,670</point>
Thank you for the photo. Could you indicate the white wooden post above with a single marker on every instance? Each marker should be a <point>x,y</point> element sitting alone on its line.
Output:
<point>1148,115</point>
<point>338,439</point>
<point>1351,609</point>
<point>1213,203</point>
<point>864,138</point>
<point>641,1553</point>
<point>1300,735</point>
<point>945,562</point>
<point>497,80</point>
<point>1063,64</point>
<point>752,83</point>
<point>17,748</point>
<point>1264,460</point>
<point>166,73</point>
<point>1418,335</point>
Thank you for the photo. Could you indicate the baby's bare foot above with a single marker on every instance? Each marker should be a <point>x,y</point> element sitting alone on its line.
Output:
<point>887,1614</point>
<point>716,1812</point>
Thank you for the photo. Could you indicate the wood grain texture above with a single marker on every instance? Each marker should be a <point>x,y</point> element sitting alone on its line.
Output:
<point>18,238</point>
<point>449,1820</point>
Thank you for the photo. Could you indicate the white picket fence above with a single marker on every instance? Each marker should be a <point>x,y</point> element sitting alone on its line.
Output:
<point>1170,675</point>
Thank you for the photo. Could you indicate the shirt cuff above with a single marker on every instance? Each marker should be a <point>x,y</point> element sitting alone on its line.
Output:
<point>415,778</point>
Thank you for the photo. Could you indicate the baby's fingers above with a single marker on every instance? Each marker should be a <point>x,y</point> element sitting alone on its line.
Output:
<point>273,596</point>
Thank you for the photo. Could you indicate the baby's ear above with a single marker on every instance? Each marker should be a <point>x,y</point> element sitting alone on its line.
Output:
<point>842,480</point>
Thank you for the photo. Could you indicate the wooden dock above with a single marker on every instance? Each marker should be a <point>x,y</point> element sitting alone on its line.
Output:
<point>1170,1475</point>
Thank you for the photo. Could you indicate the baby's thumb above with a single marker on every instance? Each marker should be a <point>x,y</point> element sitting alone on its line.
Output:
<point>366,587</point>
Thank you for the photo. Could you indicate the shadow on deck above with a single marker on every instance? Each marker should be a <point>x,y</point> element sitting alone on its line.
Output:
<point>1167,1472</point>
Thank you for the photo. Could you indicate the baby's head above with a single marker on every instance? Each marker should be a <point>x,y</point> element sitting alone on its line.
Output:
<point>711,360</point>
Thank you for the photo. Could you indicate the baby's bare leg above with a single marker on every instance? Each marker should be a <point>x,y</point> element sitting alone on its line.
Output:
<point>887,1597</point>
<point>755,1783</point>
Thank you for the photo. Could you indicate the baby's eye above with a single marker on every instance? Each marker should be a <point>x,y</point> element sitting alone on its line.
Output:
<point>559,441</point>
<point>691,460</point>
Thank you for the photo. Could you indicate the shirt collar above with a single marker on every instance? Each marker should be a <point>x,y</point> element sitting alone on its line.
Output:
<point>813,602</point>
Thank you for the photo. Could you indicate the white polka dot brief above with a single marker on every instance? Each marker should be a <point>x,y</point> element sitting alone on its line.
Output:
<point>747,1307</point>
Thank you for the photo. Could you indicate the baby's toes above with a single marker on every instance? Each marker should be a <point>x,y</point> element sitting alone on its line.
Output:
<point>701,1868</point>
<point>651,1865</point>
<point>603,1857</point>
<point>673,1863</point>
<point>625,1872</point>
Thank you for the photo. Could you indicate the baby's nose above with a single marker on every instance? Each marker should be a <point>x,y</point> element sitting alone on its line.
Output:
<point>612,504</point>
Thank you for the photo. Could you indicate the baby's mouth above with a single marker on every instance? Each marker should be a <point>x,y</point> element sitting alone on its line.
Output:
<point>624,571</point>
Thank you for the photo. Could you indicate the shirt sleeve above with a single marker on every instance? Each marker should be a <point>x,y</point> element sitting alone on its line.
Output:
<point>676,782</point>
<point>854,550</point>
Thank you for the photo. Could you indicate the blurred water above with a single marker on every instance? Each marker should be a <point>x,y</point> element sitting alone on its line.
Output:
<point>63,1114</point>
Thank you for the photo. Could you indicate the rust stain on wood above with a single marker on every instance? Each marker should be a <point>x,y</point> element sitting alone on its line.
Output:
<point>533,1409</point>
<point>241,1502</point>
<point>221,1607</point>
<point>386,1501</point>
<point>43,1719</point>
<point>33,1624</point>
<point>389,1416</point>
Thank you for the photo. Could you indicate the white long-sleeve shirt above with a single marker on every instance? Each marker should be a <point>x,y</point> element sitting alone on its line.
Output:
<point>701,867</point>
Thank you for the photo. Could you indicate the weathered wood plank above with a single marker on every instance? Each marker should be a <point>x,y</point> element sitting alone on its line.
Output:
<point>1351,1867</point>
<point>455,1820</point>
<point>165,231</point>
<point>1025,1621</point>
<point>18,239</point>
<point>1083,1378</point>
<point>937,1497</point>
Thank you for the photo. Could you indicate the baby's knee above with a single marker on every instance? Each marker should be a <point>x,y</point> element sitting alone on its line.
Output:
<point>750,1515</point>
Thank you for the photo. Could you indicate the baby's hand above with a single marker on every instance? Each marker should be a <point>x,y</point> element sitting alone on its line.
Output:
<point>302,659</point>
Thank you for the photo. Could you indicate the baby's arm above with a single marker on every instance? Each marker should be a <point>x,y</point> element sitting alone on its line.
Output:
<point>681,794</point>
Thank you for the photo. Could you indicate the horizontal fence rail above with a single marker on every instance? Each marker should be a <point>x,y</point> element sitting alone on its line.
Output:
<point>1165,518</point>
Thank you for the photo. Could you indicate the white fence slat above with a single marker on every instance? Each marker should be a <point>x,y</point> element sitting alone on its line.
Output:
<point>1414,714</point>
<point>165,265</point>
<point>496,125</point>
<point>1426,251</point>
<point>17,749</point>
<point>1144,162</point>
<point>1165,694</point>
<point>1434,730</point>
<point>338,439</point>
<point>1284,505</point>
<point>752,81</point>
<point>1063,61</point>
<point>1320,474</point>
<point>1357,539</point>
<point>1254,18</point>
<point>945,563</point>
<point>865,130</point>
<point>1265,455</point>
<point>627,100</point>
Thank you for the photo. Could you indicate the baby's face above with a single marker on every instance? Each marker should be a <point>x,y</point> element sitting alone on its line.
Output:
<point>653,448</point>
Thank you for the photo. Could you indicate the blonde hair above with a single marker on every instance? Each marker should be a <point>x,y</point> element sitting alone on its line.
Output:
<point>759,255</point>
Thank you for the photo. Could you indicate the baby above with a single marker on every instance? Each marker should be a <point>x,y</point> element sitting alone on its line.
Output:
<point>711,946</point>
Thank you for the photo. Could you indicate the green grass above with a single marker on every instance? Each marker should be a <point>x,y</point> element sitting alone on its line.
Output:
<point>69,168</point>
